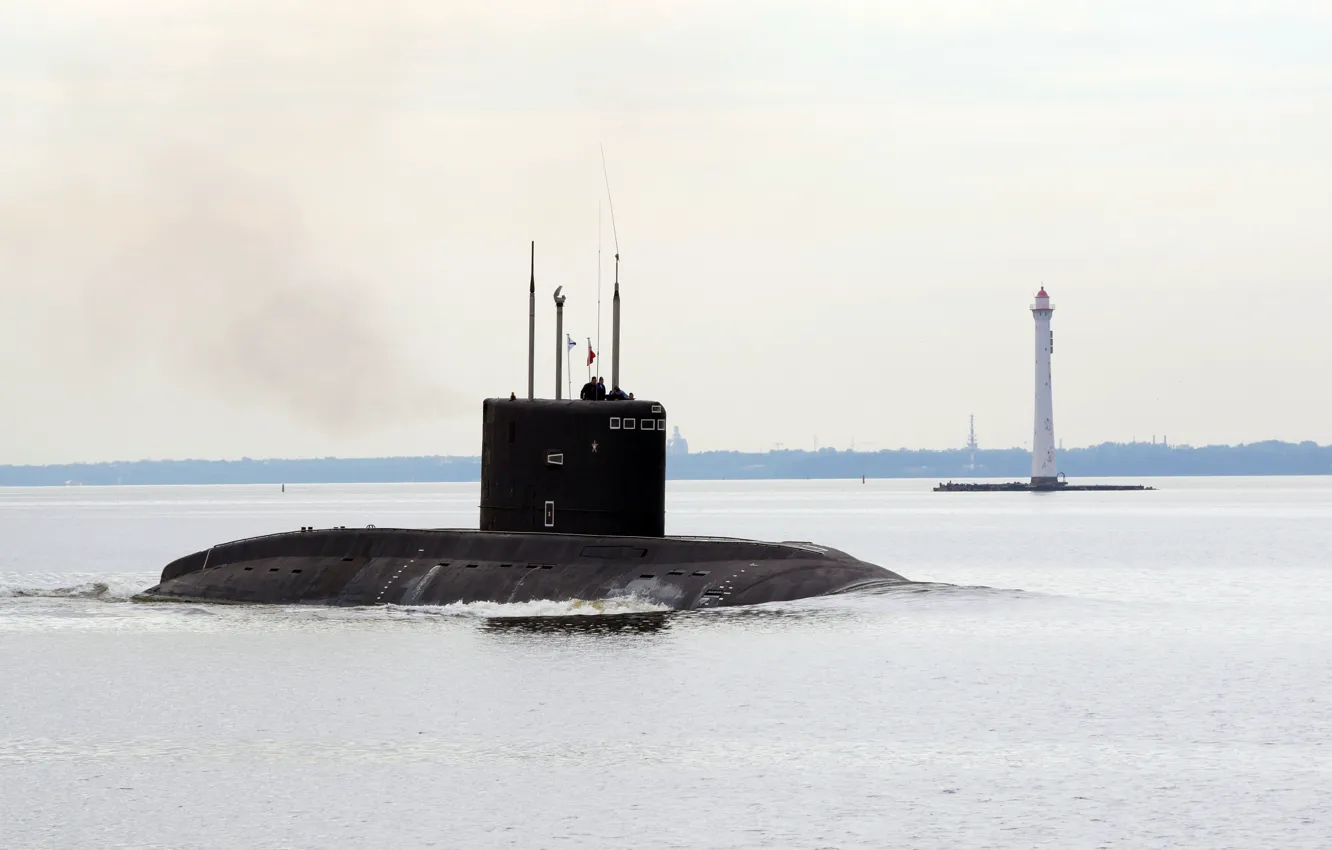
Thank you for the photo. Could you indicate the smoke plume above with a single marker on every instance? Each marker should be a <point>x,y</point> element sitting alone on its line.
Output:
<point>183,191</point>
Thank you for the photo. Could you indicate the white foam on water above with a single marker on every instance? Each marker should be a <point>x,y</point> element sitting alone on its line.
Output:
<point>104,588</point>
<point>541,608</point>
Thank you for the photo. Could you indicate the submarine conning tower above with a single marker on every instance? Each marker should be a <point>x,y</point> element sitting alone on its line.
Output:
<point>574,467</point>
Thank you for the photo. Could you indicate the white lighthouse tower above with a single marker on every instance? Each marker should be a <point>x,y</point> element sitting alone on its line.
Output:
<point>1043,468</point>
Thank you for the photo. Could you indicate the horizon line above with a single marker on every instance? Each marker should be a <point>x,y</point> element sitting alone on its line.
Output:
<point>820,450</point>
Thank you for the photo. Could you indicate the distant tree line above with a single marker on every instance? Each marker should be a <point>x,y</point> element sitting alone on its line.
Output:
<point>1105,460</point>
<point>328,470</point>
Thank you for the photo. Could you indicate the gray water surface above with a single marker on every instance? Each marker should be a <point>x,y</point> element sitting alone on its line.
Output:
<point>1075,670</point>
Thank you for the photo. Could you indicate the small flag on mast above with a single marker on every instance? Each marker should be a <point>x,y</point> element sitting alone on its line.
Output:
<point>572,344</point>
<point>591,355</point>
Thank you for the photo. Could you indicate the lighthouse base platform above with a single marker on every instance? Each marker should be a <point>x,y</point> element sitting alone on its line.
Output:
<point>1029,487</point>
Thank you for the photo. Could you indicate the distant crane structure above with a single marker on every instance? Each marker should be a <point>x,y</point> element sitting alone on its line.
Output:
<point>971,443</point>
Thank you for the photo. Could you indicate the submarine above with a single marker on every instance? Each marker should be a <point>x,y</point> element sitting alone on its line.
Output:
<point>572,508</point>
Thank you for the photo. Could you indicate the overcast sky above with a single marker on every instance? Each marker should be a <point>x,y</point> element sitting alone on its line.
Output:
<point>296,228</point>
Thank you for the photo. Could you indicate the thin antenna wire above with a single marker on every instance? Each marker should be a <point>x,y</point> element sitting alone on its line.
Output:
<point>611,201</point>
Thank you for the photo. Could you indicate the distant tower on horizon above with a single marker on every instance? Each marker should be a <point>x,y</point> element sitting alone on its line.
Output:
<point>676,444</point>
<point>1043,467</point>
<point>971,443</point>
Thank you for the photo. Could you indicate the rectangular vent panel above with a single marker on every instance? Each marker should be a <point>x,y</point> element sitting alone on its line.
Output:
<point>617,552</point>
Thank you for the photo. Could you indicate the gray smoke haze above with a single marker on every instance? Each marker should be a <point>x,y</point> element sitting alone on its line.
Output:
<point>186,204</point>
<point>319,212</point>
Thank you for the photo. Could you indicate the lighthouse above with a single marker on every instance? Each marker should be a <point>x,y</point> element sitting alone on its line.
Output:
<point>1045,475</point>
<point>1043,468</point>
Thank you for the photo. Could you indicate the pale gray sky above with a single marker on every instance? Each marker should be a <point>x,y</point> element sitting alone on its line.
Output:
<point>299,228</point>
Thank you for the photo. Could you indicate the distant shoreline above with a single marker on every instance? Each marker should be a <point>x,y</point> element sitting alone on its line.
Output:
<point>1108,460</point>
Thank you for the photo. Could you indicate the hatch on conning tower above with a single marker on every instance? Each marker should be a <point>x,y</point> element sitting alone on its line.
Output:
<point>573,467</point>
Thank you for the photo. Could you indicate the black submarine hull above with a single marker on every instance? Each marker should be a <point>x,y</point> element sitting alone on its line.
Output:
<point>374,566</point>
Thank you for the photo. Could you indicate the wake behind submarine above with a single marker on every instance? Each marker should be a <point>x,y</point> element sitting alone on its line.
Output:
<point>573,507</point>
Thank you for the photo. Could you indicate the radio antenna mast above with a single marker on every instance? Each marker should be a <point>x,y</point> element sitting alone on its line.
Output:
<point>615,309</point>
<point>589,365</point>
<point>531,326</point>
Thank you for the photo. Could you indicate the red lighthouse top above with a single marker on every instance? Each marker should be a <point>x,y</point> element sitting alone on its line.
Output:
<point>1042,294</point>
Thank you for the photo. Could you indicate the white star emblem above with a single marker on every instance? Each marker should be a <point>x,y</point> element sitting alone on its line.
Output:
<point>594,447</point>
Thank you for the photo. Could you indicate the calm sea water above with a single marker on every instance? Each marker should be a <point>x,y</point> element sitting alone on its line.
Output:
<point>1132,670</point>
